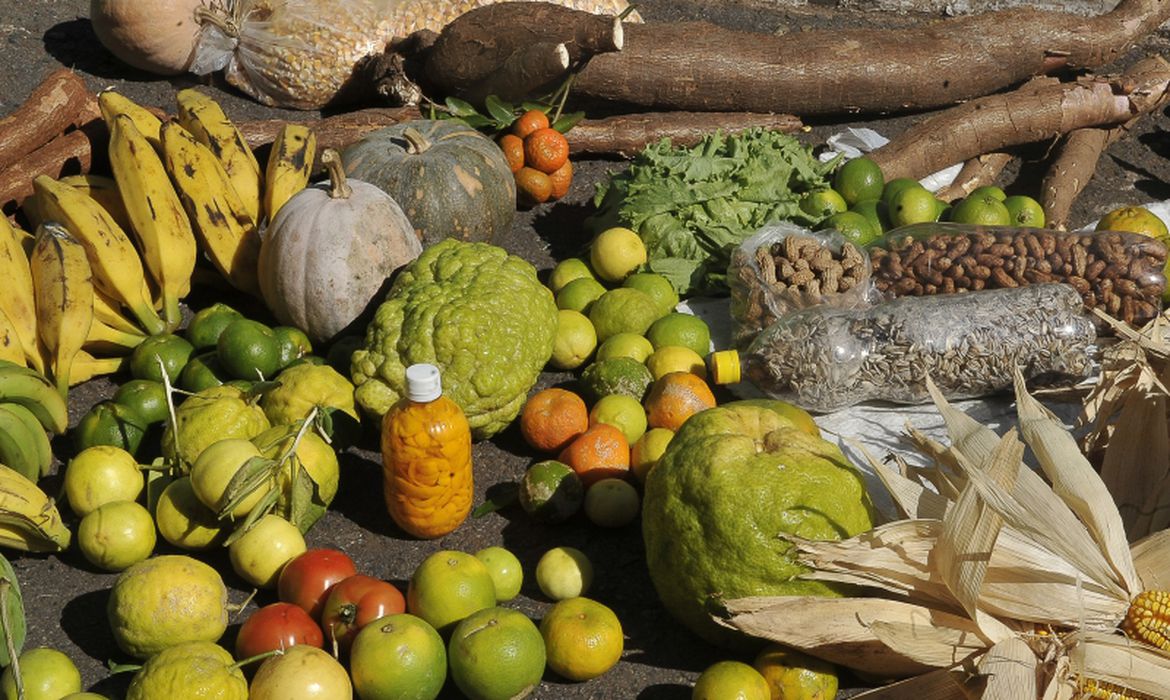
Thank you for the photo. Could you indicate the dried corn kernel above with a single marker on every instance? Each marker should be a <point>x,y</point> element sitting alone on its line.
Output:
<point>1091,689</point>
<point>1148,619</point>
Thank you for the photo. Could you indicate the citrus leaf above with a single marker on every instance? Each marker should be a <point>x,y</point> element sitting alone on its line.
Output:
<point>501,111</point>
<point>262,508</point>
<point>534,106</point>
<point>14,627</point>
<point>568,121</point>
<point>478,121</point>
<point>251,475</point>
<point>460,108</point>
<point>499,496</point>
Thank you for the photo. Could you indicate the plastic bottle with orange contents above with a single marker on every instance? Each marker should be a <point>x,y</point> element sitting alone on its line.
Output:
<point>426,457</point>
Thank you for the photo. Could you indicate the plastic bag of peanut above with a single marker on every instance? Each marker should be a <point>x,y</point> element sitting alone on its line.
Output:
<point>784,268</point>
<point>299,54</point>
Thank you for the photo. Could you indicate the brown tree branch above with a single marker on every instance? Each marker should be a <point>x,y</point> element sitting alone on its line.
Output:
<point>975,173</point>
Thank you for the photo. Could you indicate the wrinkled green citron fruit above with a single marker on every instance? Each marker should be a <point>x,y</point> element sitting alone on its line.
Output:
<point>479,314</point>
<point>164,601</point>
<point>211,415</point>
<point>731,481</point>
<point>189,670</point>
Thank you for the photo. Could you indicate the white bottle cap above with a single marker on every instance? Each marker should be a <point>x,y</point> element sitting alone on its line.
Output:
<point>423,384</point>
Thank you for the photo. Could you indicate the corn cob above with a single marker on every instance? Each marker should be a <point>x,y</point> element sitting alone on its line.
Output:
<point>1091,689</point>
<point>1148,619</point>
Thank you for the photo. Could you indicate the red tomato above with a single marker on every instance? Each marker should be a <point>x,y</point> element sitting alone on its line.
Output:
<point>356,602</point>
<point>276,626</point>
<point>306,580</point>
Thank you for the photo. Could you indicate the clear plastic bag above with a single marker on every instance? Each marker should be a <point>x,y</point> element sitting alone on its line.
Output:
<point>825,358</point>
<point>1121,273</point>
<point>784,268</point>
<point>296,54</point>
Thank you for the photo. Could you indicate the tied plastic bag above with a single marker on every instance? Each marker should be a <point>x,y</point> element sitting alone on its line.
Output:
<point>784,268</point>
<point>296,54</point>
<point>825,359</point>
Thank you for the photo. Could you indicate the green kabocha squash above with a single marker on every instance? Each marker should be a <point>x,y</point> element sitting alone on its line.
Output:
<point>451,180</point>
<point>330,249</point>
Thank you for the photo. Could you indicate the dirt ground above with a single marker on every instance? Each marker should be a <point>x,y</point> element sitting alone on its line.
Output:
<point>65,598</point>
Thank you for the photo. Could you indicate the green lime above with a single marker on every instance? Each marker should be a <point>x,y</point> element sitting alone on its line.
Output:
<point>566,271</point>
<point>46,674</point>
<point>618,375</point>
<point>859,179</point>
<point>293,344</point>
<point>623,412</point>
<point>1024,211</point>
<point>110,423</point>
<point>852,225</point>
<point>656,287</point>
<point>506,570</point>
<point>340,352</point>
<point>207,323</point>
<point>731,679</point>
<point>564,572</point>
<point>496,654</point>
<point>625,345</point>
<point>616,253</point>
<point>623,310</point>
<point>148,399</point>
<point>612,502</point>
<point>171,349</point>
<point>579,294</point>
<point>913,205</point>
<point>201,372</point>
<point>982,210</point>
<point>551,492</point>
<point>989,191</point>
<point>876,212</point>
<point>822,203</point>
<point>575,341</point>
<point>895,186</point>
<point>686,330</point>
<point>248,350</point>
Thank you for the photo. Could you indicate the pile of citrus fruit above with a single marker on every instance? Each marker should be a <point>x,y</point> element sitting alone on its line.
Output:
<point>539,158</point>
<point>863,206</point>
<point>641,374</point>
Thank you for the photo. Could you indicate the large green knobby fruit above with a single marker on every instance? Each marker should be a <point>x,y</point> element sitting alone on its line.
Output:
<point>732,479</point>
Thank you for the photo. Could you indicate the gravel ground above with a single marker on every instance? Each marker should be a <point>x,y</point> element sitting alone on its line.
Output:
<point>65,598</point>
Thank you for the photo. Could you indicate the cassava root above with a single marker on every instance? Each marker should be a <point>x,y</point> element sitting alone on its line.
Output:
<point>52,107</point>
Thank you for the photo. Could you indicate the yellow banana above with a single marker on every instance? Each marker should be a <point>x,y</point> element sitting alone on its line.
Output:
<point>63,285</point>
<point>225,228</point>
<point>156,214</point>
<point>116,265</point>
<point>109,311</point>
<point>114,103</point>
<point>205,119</point>
<point>86,367</point>
<point>111,341</point>
<point>102,189</point>
<point>10,349</point>
<point>17,301</point>
<point>290,163</point>
<point>29,520</point>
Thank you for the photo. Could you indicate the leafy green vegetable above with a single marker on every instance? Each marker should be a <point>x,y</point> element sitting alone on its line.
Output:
<point>692,206</point>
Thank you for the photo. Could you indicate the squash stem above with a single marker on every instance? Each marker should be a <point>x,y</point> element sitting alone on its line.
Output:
<point>415,141</point>
<point>339,187</point>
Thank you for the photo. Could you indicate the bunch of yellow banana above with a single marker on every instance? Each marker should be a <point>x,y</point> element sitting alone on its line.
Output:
<point>29,520</point>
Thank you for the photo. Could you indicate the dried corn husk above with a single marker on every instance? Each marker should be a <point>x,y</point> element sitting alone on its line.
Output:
<point>1014,589</point>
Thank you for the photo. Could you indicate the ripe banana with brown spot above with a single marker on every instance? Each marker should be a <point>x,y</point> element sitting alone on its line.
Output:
<point>29,520</point>
<point>63,284</point>
<point>113,258</point>
<point>17,301</point>
<point>207,122</point>
<point>100,188</point>
<point>10,349</point>
<point>156,215</point>
<point>225,228</point>
<point>113,103</point>
<point>290,164</point>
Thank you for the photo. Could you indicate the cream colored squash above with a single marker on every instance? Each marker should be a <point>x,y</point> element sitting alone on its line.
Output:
<point>158,36</point>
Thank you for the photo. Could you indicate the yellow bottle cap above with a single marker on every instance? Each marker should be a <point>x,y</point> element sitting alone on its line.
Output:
<point>724,366</point>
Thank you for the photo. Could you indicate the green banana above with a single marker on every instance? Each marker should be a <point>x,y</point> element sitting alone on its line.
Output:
<point>63,284</point>
<point>29,520</point>
<point>117,268</point>
<point>31,434</point>
<point>159,221</point>
<point>18,449</point>
<point>207,122</point>
<point>226,229</point>
<point>31,389</point>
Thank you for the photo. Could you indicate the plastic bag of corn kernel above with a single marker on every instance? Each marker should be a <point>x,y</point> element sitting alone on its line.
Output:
<point>299,54</point>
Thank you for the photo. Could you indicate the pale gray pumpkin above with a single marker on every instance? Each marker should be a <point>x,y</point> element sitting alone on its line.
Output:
<point>451,180</point>
<point>330,249</point>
